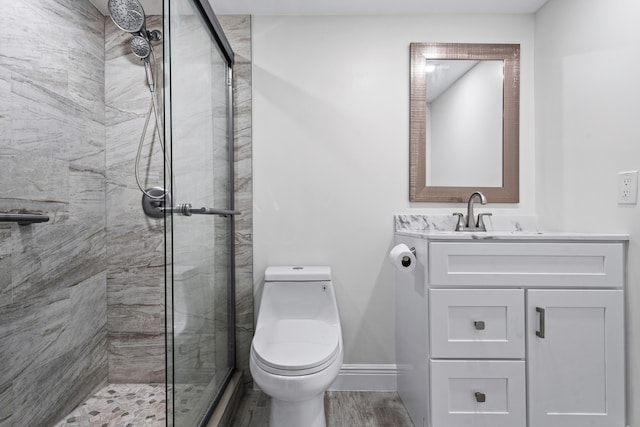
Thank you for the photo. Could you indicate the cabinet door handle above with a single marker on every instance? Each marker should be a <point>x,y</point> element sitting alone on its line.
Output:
<point>480,397</point>
<point>541,327</point>
<point>479,324</point>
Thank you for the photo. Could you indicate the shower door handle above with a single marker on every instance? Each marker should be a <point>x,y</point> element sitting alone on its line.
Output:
<point>187,210</point>
<point>209,211</point>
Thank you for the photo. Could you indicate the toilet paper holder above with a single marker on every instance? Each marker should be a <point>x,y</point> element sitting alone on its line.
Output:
<point>406,261</point>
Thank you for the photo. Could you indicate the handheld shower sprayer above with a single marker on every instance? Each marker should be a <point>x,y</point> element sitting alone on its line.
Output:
<point>141,47</point>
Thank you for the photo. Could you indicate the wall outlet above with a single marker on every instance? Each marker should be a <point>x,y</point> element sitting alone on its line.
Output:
<point>628,188</point>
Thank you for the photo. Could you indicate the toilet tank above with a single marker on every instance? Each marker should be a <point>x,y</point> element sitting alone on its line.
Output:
<point>298,274</point>
<point>298,293</point>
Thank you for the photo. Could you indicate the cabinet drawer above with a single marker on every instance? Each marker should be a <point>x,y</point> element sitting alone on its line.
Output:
<point>477,323</point>
<point>478,393</point>
<point>498,264</point>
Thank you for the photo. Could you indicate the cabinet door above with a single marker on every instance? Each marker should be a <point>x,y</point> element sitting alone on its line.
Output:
<point>576,358</point>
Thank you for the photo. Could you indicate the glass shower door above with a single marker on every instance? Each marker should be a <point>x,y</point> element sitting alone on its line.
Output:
<point>201,298</point>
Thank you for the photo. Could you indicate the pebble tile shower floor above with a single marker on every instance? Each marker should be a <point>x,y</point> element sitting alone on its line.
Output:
<point>121,405</point>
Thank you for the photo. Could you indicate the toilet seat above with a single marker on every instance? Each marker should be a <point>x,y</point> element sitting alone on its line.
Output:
<point>294,347</point>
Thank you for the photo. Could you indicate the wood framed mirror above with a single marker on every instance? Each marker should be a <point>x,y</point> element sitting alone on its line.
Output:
<point>464,122</point>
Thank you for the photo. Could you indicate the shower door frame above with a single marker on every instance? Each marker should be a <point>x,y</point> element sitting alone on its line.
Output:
<point>213,25</point>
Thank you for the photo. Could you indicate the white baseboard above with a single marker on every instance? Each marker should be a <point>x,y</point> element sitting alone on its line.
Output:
<point>366,378</point>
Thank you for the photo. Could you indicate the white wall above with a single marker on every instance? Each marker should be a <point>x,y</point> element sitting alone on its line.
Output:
<point>587,113</point>
<point>331,150</point>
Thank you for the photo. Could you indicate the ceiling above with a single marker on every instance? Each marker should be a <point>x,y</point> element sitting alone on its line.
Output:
<point>352,7</point>
<point>151,7</point>
<point>372,7</point>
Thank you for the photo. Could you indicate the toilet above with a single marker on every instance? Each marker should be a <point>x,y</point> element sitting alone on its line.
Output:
<point>296,352</point>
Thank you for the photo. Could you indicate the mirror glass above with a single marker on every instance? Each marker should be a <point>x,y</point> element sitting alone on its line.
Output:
<point>464,121</point>
<point>465,92</point>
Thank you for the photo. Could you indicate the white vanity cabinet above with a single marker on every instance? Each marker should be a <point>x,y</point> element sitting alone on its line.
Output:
<point>512,331</point>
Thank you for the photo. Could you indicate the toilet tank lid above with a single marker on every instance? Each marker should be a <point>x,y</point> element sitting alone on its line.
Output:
<point>297,274</point>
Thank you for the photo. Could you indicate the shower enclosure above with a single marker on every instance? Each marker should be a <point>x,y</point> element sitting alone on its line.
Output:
<point>100,298</point>
<point>201,344</point>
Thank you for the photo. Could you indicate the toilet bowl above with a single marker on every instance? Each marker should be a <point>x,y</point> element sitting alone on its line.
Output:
<point>296,352</point>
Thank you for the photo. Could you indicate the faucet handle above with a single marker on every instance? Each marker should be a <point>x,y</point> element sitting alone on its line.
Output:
<point>460,224</point>
<point>481,221</point>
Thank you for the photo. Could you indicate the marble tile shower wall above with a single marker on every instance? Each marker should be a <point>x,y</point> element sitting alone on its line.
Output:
<point>53,313</point>
<point>135,242</point>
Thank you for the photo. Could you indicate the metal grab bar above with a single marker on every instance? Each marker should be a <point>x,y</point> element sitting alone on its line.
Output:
<point>187,210</point>
<point>23,218</point>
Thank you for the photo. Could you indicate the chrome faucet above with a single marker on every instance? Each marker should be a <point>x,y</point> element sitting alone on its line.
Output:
<point>471,224</point>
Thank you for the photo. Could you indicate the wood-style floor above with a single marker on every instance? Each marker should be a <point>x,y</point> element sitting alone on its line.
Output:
<point>343,409</point>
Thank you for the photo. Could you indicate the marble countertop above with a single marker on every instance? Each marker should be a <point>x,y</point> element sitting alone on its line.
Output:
<point>441,227</point>
<point>515,235</point>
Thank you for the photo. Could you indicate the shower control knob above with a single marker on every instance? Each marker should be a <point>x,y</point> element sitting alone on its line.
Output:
<point>154,201</point>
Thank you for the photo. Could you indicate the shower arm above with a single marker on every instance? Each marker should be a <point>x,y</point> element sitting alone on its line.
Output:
<point>187,210</point>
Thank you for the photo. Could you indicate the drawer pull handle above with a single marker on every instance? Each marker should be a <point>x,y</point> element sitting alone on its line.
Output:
<point>479,324</point>
<point>541,326</point>
<point>480,397</point>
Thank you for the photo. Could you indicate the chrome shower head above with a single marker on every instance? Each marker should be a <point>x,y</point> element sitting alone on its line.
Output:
<point>141,47</point>
<point>128,15</point>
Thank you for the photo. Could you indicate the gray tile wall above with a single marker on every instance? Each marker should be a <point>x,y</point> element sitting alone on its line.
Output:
<point>135,242</point>
<point>53,314</point>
